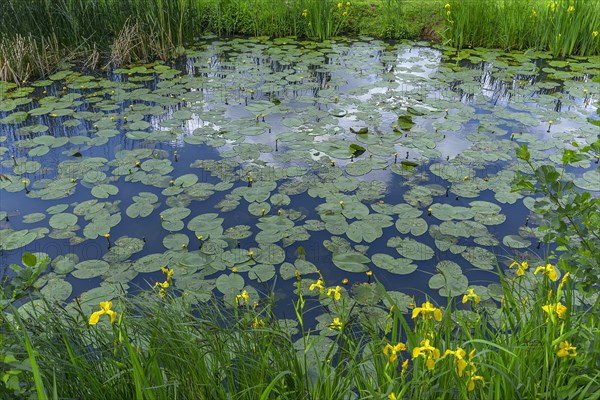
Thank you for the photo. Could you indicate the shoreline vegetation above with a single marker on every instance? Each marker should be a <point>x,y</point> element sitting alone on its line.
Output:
<point>39,36</point>
<point>532,336</point>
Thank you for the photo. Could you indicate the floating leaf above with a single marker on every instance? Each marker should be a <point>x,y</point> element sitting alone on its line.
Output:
<point>449,280</point>
<point>103,191</point>
<point>351,262</point>
<point>401,266</point>
<point>62,220</point>
<point>230,285</point>
<point>516,242</point>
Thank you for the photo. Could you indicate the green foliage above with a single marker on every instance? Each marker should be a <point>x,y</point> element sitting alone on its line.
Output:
<point>564,27</point>
<point>14,366</point>
<point>571,219</point>
<point>324,18</point>
<point>164,346</point>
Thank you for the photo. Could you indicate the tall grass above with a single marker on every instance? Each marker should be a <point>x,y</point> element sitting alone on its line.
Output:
<point>166,347</point>
<point>564,27</point>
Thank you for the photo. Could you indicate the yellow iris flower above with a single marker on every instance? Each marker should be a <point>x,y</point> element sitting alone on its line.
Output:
<point>404,366</point>
<point>430,353</point>
<point>336,324</point>
<point>427,310</point>
<point>336,292</point>
<point>474,378</point>
<point>521,267</point>
<point>105,309</point>
<point>244,297</point>
<point>566,349</point>
<point>471,295</point>
<point>548,271</point>
<point>557,308</point>
<point>391,352</point>
<point>318,284</point>
<point>169,273</point>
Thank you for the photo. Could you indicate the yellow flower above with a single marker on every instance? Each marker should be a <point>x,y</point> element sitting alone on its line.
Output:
<point>342,203</point>
<point>345,281</point>
<point>169,273</point>
<point>521,267</point>
<point>404,366</point>
<point>250,254</point>
<point>391,352</point>
<point>244,297</point>
<point>447,6</point>
<point>571,9</point>
<point>557,308</point>
<point>566,350</point>
<point>466,178</point>
<point>552,6</point>
<point>369,273</point>
<point>347,4</point>
<point>471,296</point>
<point>162,285</point>
<point>474,378</point>
<point>427,351</point>
<point>345,14</point>
<point>336,324</point>
<point>461,363</point>
<point>258,322</point>
<point>594,34</point>
<point>564,280</point>
<point>548,271</point>
<point>427,309</point>
<point>318,284</point>
<point>107,235</point>
<point>392,396</point>
<point>105,309</point>
<point>339,5</point>
<point>336,292</point>
<point>533,14</point>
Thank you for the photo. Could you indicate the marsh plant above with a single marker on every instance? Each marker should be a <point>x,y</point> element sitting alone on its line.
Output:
<point>162,344</point>
<point>324,18</point>
<point>564,27</point>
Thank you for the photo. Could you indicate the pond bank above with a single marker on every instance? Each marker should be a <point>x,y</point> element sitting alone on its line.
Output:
<point>50,34</point>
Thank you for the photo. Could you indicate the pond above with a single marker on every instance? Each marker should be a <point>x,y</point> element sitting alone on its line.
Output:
<point>252,159</point>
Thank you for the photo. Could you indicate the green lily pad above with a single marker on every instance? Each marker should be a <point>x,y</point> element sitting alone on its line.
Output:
<point>351,261</point>
<point>62,220</point>
<point>103,191</point>
<point>230,285</point>
<point>516,242</point>
<point>411,249</point>
<point>449,280</point>
<point>400,266</point>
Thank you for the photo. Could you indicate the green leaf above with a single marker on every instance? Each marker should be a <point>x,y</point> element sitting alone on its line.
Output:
<point>523,153</point>
<point>29,259</point>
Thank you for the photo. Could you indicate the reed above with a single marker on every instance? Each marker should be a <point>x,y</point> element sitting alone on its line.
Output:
<point>564,27</point>
<point>540,343</point>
